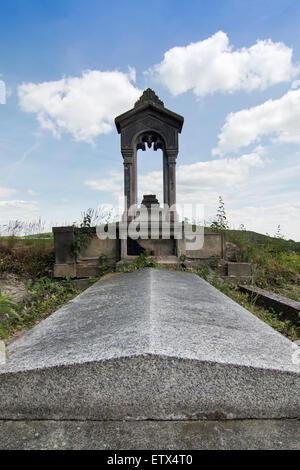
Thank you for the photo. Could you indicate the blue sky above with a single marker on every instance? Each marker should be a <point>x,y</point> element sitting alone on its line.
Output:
<point>231,68</point>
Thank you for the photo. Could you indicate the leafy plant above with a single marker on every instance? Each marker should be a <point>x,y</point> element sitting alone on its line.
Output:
<point>8,308</point>
<point>103,265</point>
<point>142,261</point>
<point>221,222</point>
<point>203,272</point>
<point>84,234</point>
<point>44,297</point>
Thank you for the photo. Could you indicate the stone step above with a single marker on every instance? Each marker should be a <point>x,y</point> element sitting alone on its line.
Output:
<point>167,261</point>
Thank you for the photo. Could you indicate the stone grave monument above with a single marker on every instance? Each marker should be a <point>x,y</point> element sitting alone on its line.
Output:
<point>150,124</point>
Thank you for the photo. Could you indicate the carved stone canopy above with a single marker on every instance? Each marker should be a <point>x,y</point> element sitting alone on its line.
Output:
<point>149,122</point>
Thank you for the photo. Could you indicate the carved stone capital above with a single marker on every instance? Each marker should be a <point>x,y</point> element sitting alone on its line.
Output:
<point>127,156</point>
<point>172,156</point>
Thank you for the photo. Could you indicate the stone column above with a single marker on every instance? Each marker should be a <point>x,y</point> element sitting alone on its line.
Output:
<point>134,178</point>
<point>166,178</point>
<point>128,192</point>
<point>172,154</point>
<point>128,176</point>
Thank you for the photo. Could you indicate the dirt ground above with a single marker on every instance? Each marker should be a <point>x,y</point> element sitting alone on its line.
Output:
<point>14,286</point>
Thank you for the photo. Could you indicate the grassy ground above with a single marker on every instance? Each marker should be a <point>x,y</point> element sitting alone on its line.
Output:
<point>275,267</point>
<point>275,320</point>
<point>31,260</point>
<point>44,297</point>
<point>291,291</point>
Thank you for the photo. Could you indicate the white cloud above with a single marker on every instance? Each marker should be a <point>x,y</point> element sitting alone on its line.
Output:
<point>201,181</point>
<point>113,184</point>
<point>267,196</point>
<point>2,92</point>
<point>17,209</point>
<point>132,74</point>
<point>31,192</point>
<point>265,219</point>
<point>83,106</point>
<point>212,65</point>
<point>227,172</point>
<point>7,192</point>
<point>295,84</point>
<point>280,118</point>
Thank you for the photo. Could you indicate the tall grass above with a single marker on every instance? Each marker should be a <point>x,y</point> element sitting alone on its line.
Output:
<point>274,264</point>
<point>44,297</point>
<point>25,248</point>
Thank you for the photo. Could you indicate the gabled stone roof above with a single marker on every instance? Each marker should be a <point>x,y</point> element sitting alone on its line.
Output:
<point>149,100</point>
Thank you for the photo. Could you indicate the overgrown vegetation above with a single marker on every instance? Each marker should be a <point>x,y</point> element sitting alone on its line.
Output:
<point>29,260</point>
<point>275,261</point>
<point>142,261</point>
<point>30,256</point>
<point>44,297</point>
<point>285,327</point>
<point>84,235</point>
<point>275,267</point>
<point>103,265</point>
<point>220,222</point>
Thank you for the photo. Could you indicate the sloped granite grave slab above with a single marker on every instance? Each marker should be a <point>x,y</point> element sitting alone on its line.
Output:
<point>151,344</point>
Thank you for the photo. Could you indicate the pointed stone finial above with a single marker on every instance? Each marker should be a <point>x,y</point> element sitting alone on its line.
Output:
<point>149,96</point>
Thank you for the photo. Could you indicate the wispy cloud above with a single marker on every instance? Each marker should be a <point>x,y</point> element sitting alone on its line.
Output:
<point>7,192</point>
<point>17,209</point>
<point>27,152</point>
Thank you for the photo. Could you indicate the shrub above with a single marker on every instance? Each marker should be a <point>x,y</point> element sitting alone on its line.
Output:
<point>142,261</point>
<point>28,261</point>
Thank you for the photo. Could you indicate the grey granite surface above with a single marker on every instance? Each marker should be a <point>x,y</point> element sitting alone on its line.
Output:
<point>151,344</point>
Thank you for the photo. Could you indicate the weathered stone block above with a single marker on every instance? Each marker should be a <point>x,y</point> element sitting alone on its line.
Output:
<point>288,307</point>
<point>98,247</point>
<point>63,241</point>
<point>213,246</point>
<point>84,270</point>
<point>62,270</point>
<point>239,270</point>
